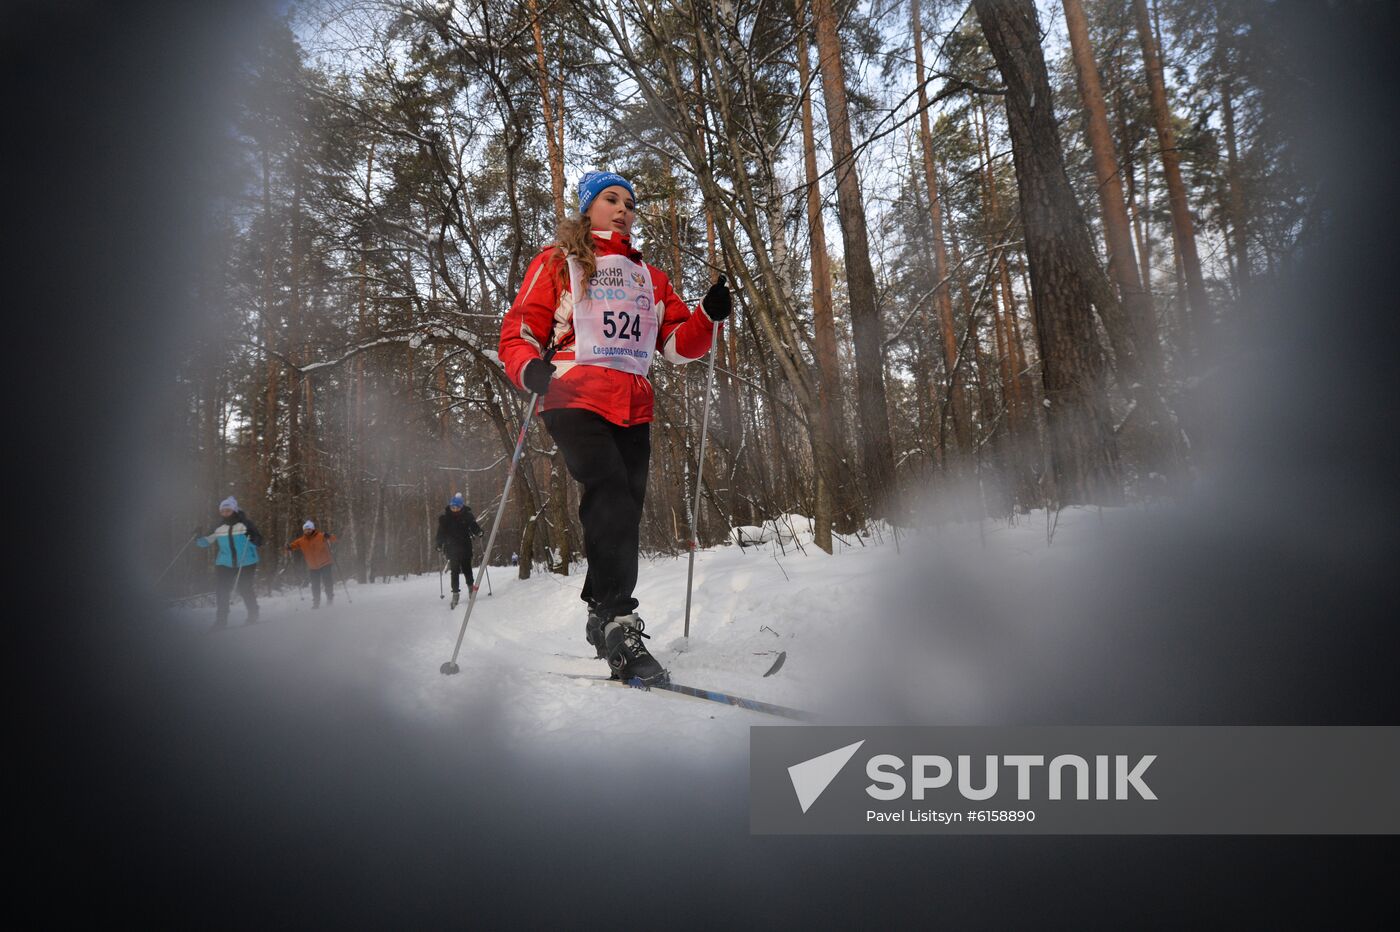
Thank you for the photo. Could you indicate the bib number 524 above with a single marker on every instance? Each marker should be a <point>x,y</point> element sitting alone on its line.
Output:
<point>622,324</point>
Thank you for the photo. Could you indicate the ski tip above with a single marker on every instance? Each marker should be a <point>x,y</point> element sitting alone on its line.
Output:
<point>777,664</point>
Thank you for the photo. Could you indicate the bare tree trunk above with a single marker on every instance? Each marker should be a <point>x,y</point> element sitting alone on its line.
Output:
<point>991,448</point>
<point>942,296</point>
<point>989,211</point>
<point>553,122</point>
<point>553,112</point>
<point>727,346</point>
<point>1183,228</point>
<point>1232,167</point>
<point>296,473</point>
<point>1140,370</point>
<point>559,484</point>
<point>213,436</point>
<point>829,440</point>
<point>931,434</point>
<point>372,562</point>
<point>272,367</point>
<point>1083,452</point>
<point>1122,260</point>
<point>1015,450</point>
<point>1136,213</point>
<point>1030,418</point>
<point>866,326</point>
<point>439,367</point>
<point>1138,208</point>
<point>358,495</point>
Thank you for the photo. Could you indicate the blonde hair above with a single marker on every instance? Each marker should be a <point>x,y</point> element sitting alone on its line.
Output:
<point>575,238</point>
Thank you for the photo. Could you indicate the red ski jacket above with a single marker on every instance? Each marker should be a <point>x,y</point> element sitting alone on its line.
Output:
<point>545,308</point>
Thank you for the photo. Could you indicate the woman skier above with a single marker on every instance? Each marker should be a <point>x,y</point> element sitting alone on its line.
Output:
<point>237,542</point>
<point>607,313</point>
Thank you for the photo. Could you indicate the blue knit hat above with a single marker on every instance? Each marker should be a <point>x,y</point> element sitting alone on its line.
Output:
<point>593,183</point>
<point>230,503</point>
<point>457,500</point>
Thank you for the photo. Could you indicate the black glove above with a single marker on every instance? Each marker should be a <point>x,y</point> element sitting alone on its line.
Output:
<point>716,302</point>
<point>537,375</point>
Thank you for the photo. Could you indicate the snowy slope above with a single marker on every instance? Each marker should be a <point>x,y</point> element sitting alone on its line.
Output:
<point>326,744</point>
<point>855,626</point>
<point>750,603</point>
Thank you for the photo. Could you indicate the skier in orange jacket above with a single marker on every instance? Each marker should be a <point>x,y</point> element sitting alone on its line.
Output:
<point>315,549</point>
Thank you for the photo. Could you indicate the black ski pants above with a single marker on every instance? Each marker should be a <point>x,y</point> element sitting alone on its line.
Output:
<point>224,577</point>
<point>325,576</point>
<point>458,567</point>
<point>610,462</point>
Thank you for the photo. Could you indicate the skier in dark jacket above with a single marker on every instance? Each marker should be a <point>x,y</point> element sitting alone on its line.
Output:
<point>456,528</point>
<point>236,541</point>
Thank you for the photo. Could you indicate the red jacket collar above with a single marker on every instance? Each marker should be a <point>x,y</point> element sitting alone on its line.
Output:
<point>609,243</point>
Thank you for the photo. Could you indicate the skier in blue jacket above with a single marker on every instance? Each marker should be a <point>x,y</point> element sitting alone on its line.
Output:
<point>236,540</point>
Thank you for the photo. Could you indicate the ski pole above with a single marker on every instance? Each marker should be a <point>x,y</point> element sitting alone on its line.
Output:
<point>441,595</point>
<point>173,562</point>
<point>335,568</point>
<point>450,667</point>
<point>700,474</point>
<point>487,571</point>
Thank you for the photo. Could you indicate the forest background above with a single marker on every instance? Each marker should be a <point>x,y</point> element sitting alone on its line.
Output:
<point>987,258</point>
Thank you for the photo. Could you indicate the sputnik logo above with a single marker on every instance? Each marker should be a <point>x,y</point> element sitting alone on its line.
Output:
<point>811,777</point>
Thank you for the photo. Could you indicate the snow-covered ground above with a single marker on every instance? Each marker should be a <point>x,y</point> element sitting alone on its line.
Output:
<point>750,603</point>
<point>319,757</point>
<point>883,630</point>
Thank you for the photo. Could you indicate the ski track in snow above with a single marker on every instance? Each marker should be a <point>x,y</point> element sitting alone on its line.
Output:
<point>749,604</point>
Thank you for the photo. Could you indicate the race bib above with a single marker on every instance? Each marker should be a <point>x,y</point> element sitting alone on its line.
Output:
<point>615,317</point>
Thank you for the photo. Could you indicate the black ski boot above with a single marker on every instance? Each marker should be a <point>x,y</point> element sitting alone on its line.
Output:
<point>593,633</point>
<point>627,655</point>
<point>455,596</point>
